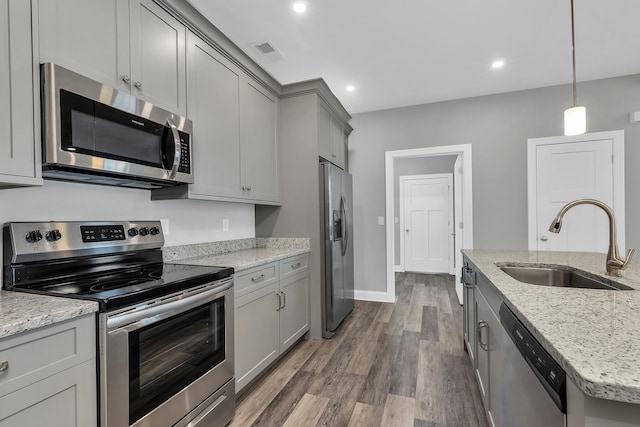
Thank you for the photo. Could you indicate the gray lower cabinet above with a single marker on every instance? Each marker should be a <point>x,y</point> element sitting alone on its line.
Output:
<point>271,314</point>
<point>235,150</point>
<point>50,376</point>
<point>132,45</point>
<point>19,153</point>
<point>469,312</point>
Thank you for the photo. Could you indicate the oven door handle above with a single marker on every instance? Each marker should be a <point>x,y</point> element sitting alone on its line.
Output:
<point>136,319</point>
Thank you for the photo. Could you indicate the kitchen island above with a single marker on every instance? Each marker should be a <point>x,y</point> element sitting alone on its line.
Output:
<point>591,333</point>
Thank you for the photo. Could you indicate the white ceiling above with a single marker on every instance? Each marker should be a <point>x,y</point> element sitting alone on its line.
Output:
<point>408,52</point>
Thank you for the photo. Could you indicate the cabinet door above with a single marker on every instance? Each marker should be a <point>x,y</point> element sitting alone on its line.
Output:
<point>483,317</point>
<point>214,107</point>
<point>337,143</point>
<point>66,399</point>
<point>90,37</point>
<point>469,321</point>
<point>256,333</point>
<point>260,148</point>
<point>294,315</point>
<point>158,69</point>
<point>17,142</point>
<point>324,132</point>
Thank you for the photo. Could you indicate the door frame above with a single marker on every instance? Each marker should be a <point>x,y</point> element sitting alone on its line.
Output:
<point>451,219</point>
<point>617,137</point>
<point>463,151</point>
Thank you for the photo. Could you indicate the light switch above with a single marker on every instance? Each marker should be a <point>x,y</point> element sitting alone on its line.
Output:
<point>380,220</point>
<point>225,224</point>
<point>396,220</point>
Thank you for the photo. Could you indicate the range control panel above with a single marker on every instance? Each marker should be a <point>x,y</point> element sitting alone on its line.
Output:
<point>102,233</point>
<point>36,241</point>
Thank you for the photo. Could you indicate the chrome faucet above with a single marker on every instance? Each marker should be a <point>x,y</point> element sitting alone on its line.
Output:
<point>615,265</point>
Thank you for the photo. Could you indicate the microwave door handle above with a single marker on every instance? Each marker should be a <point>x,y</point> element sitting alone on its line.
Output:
<point>177,156</point>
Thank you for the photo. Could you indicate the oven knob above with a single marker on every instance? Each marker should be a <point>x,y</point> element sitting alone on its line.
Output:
<point>33,236</point>
<point>133,232</point>
<point>144,231</point>
<point>53,235</point>
<point>154,231</point>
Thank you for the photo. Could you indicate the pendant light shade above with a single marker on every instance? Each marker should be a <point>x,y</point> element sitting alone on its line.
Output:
<point>575,118</point>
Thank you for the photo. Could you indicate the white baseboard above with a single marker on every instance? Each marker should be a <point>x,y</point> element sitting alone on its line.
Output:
<point>376,296</point>
<point>398,269</point>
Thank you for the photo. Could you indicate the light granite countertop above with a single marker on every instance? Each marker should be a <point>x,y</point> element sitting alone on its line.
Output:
<point>244,259</point>
<point>21,312</point>
<point>592,333</point>
<point>239,254</point>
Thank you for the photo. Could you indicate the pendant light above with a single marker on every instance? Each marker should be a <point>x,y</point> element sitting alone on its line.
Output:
<point>575,118</point>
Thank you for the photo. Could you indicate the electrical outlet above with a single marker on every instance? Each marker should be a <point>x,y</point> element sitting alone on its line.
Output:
<point>165,226</point>
<point>380,220</point>
<point>225,224</point>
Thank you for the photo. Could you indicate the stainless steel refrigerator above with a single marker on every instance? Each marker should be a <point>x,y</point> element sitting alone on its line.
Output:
<point>337,252</point>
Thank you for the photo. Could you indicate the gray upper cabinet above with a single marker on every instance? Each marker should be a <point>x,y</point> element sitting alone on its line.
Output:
<point>214,107</point>
<point>19,154</point>
<point>235,149</point>
<point>331,136</point>
<point>260,144</point>
<point>133,45</point>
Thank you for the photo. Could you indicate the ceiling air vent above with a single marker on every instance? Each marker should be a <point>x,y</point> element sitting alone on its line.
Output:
<point>267,51</point>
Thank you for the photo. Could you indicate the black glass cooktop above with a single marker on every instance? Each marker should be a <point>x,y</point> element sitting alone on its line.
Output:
<point>127,285</point>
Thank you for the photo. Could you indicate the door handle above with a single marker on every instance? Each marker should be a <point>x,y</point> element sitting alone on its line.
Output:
<point>481,325</point>
<point>544,238</point>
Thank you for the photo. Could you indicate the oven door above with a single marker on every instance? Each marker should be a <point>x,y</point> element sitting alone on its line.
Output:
<point>165,358</point>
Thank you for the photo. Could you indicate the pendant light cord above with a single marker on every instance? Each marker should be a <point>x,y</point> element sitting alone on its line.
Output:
<point>573,54</point>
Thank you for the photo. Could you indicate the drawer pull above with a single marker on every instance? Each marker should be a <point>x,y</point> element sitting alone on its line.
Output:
<point>296,265</point>
<point>279,301</point>
<point>4,366</point>
<point>258,278</point>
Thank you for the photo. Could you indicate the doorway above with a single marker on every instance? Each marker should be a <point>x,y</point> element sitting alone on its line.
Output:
<point>563,169</point>
<point>463,223</point>
<point>426,223</point>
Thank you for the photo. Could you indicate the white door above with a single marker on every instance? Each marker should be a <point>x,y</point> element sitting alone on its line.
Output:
<point>457,214</point>
<point>568,169</point>
<point>427,211</point>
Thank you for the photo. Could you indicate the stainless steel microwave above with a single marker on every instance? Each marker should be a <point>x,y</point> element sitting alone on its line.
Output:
<point>97,134</point>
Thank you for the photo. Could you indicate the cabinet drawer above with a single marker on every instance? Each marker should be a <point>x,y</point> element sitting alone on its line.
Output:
<point>291,266</point>
<point>37,354</point>
<point>255,278</point>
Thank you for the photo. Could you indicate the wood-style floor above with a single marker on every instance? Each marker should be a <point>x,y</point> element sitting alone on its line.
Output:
<point>399,364</point>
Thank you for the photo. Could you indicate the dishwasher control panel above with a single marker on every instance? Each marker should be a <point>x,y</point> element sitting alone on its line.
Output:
<point>547,370</point>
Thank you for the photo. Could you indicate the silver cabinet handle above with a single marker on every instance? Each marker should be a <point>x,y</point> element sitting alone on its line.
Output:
<point>544,238</point>
<point>257,278</point>
<point>279,301</point>
<point>284,299</point>
<point>249,188</point>
<point>407,230</point>
<point>481,325</point>
<point>296,265</point>
<point>244,187</point>
<point>4,366</point>
<point>138,85</point>
<point>126,79</point>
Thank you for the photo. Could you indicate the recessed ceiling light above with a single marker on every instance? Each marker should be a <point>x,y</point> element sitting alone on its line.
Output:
<point>350,88</point>
<point>299,7</point>
<point>499,63</point>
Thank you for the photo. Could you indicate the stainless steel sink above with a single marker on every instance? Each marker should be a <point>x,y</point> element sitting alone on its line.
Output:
<point>553,276</point>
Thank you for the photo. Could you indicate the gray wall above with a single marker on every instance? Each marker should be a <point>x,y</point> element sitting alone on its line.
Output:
<point>414,166</point>
<point>498,127</point>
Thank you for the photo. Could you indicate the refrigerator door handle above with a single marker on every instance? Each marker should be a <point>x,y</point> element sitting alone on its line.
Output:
<point>345,224</point>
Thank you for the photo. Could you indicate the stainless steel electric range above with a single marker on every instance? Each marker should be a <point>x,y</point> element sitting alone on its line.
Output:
<point>165,331</point>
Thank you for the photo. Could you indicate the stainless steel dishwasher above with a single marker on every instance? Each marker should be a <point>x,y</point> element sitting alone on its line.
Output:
<point>533,384</point>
